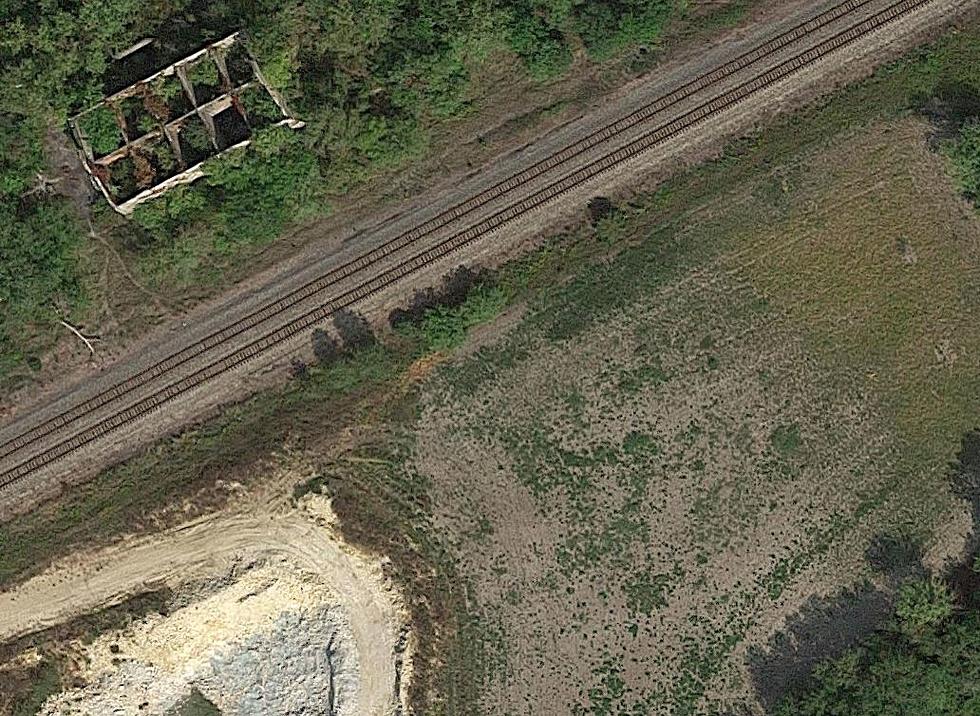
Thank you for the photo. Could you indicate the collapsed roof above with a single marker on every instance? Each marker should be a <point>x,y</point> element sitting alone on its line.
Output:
<point>156,133</point>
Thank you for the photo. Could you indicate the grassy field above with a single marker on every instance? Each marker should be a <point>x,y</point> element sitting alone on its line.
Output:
<point>681,447</point>
<point>666,458</point>
<point>689,423</point>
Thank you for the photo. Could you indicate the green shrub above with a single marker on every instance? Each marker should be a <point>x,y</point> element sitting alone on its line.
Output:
<point>147,123</point>
<point>260,107</point>
<point>442,329</point>
<point>786,439</point>
<point>204,73</point>
<point>539,43</point>
<point>38,271</point>
<point>164,156</point>
<point>22,156</point>
<point>196,136</point>
<point>101,128</point>
<point>166,98</point>
<point>965,155</point>
<point>923,606</point>
<point>47,683</point>
<point>606,26</point>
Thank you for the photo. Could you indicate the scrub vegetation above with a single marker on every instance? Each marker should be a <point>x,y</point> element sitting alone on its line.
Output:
<point>39,237</point>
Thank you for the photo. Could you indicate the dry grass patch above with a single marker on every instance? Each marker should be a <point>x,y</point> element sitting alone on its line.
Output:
<point>879,265</point>
<point>645,481</point>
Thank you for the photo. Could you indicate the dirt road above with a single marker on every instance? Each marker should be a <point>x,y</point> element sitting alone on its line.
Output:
<point>209,547</point>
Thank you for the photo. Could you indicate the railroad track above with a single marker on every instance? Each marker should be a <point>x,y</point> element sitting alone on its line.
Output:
<point>422,259</point>
<point>332,277</point>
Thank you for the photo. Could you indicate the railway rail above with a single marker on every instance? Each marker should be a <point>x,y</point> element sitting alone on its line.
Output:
<point>418,261</point>
<point>330,278</point>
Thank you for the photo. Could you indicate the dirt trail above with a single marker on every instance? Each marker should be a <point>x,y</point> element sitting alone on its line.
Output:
<point>88,581</point>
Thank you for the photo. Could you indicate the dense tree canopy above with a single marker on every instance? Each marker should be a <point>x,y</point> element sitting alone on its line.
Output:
<point>927,665</point>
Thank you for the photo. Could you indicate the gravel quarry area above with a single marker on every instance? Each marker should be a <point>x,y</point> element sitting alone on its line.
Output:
<point>274,641</point>
<point>270,616</point>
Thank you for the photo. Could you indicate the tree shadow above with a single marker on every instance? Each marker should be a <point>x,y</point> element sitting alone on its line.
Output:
<point>948,109</point>
<point>964,479</point>
<point>824,628</point>
<point>896,556</point>
<point>452,292</point>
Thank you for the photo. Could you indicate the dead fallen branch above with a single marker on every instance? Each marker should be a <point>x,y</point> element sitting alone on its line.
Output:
<point>87,340</point>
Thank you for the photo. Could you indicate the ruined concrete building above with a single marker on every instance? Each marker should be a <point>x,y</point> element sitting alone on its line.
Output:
<point>156,133</point>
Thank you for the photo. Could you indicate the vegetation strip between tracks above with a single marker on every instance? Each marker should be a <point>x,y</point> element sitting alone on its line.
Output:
<point>417,262</point>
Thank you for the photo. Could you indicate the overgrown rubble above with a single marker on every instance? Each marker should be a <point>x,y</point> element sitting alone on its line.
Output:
<point>155,134</point>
